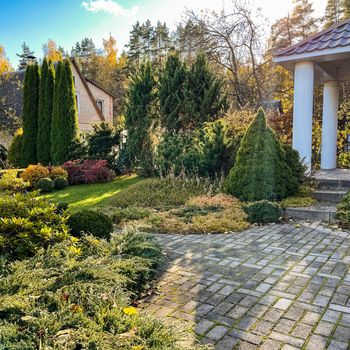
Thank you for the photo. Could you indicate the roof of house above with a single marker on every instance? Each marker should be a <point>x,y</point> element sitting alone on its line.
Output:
<point>87,88</point>
<point>333,37</point>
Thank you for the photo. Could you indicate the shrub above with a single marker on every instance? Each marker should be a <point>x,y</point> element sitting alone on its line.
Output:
<point>129,213</point>
<point>262,212</point>
<point>15,149</point>
<point>27,223</point>
<point>60,183</point>
<point>81,295</point>
<point>33,173</point>
<point>343,211</point>
<point>261,171</point>
<point>163,193</point>
<point>88,171</point>
<point>58,171</point>
<point>90,221</point>
<point>9,181</point>
<point>294,162</point>
<point>45,185</point>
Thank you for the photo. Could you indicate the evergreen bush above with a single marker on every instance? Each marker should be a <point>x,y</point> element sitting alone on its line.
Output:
<point>295,163</point>
<point>261,171</point>
<point>33,173</point>
<point>45,185</point>
<point>262,212</point>
<point>92,222</point>
<point>15,149</point>
<point>28,223</point>
<point>60,182</point>
<point>9,181</point>
<point>343,211</point>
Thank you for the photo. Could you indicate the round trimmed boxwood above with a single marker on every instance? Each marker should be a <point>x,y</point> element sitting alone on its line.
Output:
<point>262,212</point>
<point>60,183</point>
<point>45,185</point>
<point>92,222</point>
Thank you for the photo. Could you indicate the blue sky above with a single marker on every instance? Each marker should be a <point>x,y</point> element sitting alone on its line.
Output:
<point>68,21</point>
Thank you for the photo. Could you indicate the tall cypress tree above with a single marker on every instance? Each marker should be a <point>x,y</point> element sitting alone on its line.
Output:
<point>139,118</point>
<point>55,126</point>
<point>171,93</point>
<point>41,146</point>
<point>204,98</point>
<point>30,114</point>
<point>65,116</point>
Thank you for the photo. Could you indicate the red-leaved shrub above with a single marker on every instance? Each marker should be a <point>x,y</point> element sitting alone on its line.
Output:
<point>88,171</point>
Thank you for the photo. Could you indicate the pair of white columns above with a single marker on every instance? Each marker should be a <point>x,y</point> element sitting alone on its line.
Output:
<point>302,116</point>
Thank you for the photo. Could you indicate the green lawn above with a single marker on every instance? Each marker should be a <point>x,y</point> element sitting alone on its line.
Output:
<point>92,196</point>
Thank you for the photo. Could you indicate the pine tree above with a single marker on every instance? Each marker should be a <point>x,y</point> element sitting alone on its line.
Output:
<point>139,118</point>
<point>45,113</point>
<point>30,114</point>
<point>65,117</point>
<point>345,7</point>
<point>333,13</point>
<point>260,171</point>
<point>24,56</point>
<point>204,98</point>
<point>171,94</point>
<point>15,149</point>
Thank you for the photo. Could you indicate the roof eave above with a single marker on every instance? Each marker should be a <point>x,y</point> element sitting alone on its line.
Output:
<point>319,55</point>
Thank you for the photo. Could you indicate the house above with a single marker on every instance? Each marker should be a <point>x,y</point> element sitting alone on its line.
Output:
<point>94,103</point>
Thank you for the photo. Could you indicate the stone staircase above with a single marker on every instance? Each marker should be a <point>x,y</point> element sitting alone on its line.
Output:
<point>332,185</point>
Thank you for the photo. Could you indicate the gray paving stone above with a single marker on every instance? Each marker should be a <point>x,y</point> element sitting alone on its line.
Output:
<point>217,333</point>
<point>282,286</point>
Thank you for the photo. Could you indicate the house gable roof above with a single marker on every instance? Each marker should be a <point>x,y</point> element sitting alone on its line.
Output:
<point>87,88</point>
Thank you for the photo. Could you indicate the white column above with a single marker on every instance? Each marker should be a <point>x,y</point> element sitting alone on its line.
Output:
<point>329,125</point>
<point>303,110</point>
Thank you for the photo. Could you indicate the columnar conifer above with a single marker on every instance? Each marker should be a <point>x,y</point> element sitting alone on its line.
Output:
<point>30,114</point>
<point>46,89</point>
<point>64,129</point>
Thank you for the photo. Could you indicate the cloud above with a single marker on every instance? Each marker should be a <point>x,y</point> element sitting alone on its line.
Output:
<point>109,6</point>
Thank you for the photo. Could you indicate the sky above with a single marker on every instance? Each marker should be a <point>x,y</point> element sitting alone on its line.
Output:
<point>68,21</point>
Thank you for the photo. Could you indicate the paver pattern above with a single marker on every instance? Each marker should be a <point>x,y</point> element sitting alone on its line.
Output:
<point>284,286</point>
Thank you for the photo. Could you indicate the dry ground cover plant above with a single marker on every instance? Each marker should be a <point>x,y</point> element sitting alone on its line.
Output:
<point>178,205</point>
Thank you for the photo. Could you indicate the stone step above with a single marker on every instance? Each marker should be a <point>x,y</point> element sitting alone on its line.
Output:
<point>327,195</point>
<point>333,184</point>
<point>319,212</point>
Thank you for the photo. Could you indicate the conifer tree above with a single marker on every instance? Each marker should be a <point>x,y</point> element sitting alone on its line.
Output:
<point>171,94</point>
<point>333,13</point>
<point>30,114</point>
<point>204,98</point>
<point>23,57</point>
<point>260,171</point>
<point>345,5</point>
<point>139,118</point>
<point>45,113</point>
<point>55,125</point>
<point>65,128</point>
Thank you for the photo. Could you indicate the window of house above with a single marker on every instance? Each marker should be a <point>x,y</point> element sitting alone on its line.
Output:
<point>100,105</point>
<point>77,99</point>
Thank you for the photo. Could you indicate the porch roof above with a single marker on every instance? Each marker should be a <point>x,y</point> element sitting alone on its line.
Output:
<point>328,49</point>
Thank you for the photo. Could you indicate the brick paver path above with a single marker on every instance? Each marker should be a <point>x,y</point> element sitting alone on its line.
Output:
<point>283,286</point>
